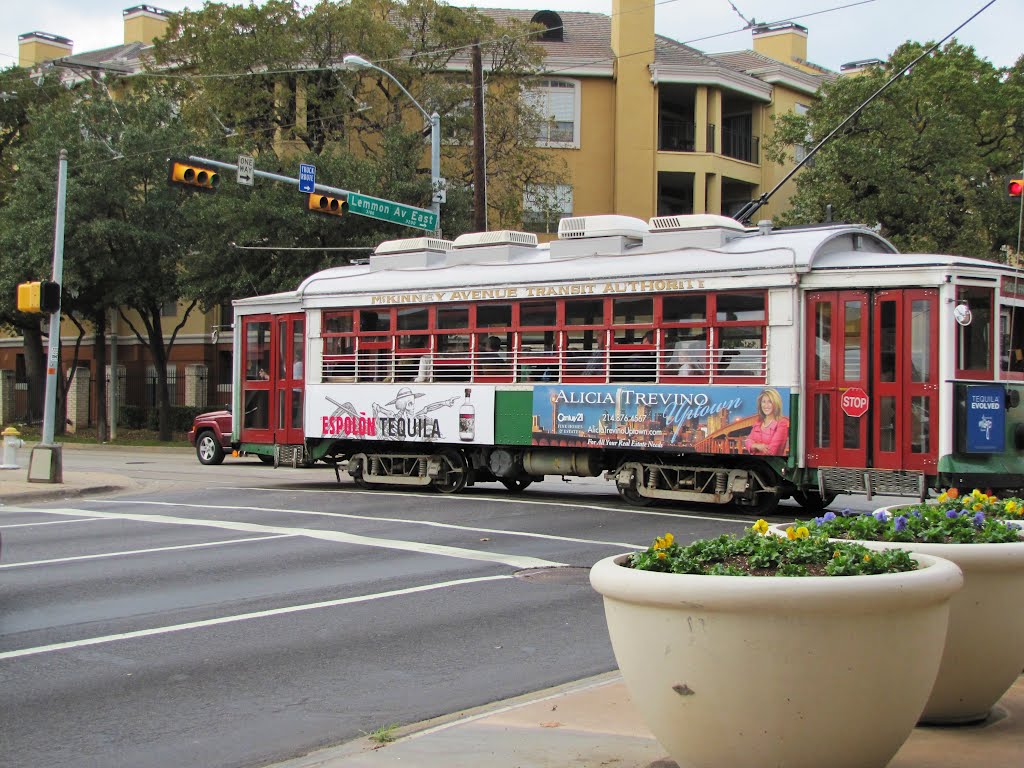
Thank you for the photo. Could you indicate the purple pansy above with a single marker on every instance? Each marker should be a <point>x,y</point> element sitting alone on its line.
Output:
<point>901,523</point>
<point>879,515</point>
<point>951,513</point>
<point>979,519</point>
<point>829,516</point>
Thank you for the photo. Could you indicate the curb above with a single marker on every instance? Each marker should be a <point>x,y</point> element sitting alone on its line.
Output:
<point>55,494</point>
<point>326,756</point>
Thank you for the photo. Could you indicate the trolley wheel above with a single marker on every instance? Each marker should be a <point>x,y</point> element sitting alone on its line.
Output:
<point>208,450</point>
<point>454,472</point>
<point>357,476</point>
<point>632,496</point>
<point>765,503</point>
<point>517,484</point>
<point>265,459</point>
<point>813,502</point>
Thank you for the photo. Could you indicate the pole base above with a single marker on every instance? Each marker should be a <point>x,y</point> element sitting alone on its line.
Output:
<point>46,464</point>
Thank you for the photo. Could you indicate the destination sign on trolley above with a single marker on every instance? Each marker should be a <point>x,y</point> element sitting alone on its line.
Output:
<point>388,210</point>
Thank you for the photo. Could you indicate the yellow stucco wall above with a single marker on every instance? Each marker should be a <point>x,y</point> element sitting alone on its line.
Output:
<point>591,166</point>
<point>636,106</point>
<point>783,100</point>
<point>143,27</point>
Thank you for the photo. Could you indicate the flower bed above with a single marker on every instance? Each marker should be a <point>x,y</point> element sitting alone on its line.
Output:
<point>736,652</point>
<point>969,531</point>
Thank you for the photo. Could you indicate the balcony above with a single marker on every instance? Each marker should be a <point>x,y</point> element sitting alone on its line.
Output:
<point>741,145</point>
<point>677,136</point>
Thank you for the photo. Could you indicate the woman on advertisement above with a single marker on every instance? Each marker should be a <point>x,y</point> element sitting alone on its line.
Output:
<point>770,435</point>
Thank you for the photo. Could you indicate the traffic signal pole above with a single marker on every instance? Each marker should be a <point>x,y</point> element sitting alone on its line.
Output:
<point>272,176</point>
<point>45,465</point>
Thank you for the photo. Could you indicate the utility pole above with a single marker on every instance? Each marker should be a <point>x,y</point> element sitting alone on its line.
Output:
<point>479,168</point>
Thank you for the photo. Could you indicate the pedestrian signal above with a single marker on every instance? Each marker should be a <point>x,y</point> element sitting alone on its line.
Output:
<point>39,296</point>
<point>332,206</point>
<point>193,175</point>
<point>1015,188</point>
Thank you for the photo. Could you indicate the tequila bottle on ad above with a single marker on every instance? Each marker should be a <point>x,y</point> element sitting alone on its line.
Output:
<point>467,419</point>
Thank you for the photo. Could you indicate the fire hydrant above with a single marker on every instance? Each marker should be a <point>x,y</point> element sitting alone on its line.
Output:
<point>12,442</point>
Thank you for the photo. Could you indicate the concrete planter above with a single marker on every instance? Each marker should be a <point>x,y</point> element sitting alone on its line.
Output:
<point>984,651</point>
<point>757,671</point>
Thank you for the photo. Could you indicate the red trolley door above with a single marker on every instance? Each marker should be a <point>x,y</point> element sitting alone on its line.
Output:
<point>273,349</point>
<point>872,393</point>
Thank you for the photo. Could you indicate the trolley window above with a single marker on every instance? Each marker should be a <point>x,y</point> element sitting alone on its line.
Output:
<point>339,345</point>
<point>1011,328</point>
<point>974,339</point>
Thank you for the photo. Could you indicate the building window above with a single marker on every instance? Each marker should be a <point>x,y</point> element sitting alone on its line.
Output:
<point>557,103</point>
<point>544,205</point>
<point>800,150</point>
<point>169,309</point>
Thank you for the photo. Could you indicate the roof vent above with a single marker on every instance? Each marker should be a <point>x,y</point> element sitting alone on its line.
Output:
<point>694,221</point>
<point>578,227</point>
<point>501,237</point>
<point>412,244</point>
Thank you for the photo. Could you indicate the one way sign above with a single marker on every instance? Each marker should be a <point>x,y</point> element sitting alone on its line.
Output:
<point>246,169</point>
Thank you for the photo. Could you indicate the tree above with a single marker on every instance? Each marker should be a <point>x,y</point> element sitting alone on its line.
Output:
<point>20,96</point>
<point>273,74</point>
<point>126,231</point>
<point>925,160</point>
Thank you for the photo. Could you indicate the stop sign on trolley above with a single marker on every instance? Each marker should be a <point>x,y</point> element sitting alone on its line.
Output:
<point>854,402</point>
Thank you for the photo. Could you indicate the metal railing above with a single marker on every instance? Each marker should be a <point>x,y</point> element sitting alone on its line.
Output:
<point>523,366</point>
<point>740,145</point>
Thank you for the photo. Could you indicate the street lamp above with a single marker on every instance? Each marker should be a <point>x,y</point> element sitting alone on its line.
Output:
<point>358,62</point>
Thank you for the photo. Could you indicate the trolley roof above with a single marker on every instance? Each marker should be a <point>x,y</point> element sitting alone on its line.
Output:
<point>608,248</point>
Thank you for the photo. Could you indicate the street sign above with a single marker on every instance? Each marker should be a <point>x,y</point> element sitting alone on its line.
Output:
<point>307,178</point>
<point>246,170</point>
<point>854,402</point>
<point>388,210</point>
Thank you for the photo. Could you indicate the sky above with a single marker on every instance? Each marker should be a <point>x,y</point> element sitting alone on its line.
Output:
<point>839,31</point>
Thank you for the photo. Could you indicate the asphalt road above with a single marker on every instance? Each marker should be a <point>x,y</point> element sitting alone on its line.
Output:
<point>241,615</point>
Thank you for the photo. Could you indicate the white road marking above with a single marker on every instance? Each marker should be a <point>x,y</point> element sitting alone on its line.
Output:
<point>515,561</point>
<point>51,522</point>
<point>374,519</point>
<point>243,617</point>
<point>143,551</point>
<point>466,498</point>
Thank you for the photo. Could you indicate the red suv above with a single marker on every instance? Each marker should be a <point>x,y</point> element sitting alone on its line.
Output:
<point>211,435</point>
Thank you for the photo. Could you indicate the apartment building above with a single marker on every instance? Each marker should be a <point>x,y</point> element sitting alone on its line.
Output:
<point>646,125</point>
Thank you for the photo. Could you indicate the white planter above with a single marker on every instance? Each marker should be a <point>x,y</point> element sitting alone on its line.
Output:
<point>984,651</point>
<point>802,672</point>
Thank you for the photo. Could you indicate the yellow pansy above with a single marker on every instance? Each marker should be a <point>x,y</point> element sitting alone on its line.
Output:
<point>662,555</point>
<point>664,542</point>
<point>1011,506</point>
<point>867,558</point>
<point>943,497</point>
<point>802,532</point>
<point>790,533</point>
<point>761,526</point>
<point>978,507</point>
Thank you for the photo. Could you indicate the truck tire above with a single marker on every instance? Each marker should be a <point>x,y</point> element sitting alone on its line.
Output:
<point>208,450</point>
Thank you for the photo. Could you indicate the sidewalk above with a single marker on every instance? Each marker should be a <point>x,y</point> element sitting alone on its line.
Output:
<point>16,489</point>
<point>592,724</point>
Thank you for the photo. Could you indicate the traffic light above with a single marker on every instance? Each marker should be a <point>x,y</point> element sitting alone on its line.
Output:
<point>332,206</point>
<point>1015,188</point>
<point>39,296</point>
<point>193,175</point>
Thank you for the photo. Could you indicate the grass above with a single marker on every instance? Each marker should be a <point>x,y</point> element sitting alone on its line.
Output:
<point>383,735</point>
<point>32,433</point>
